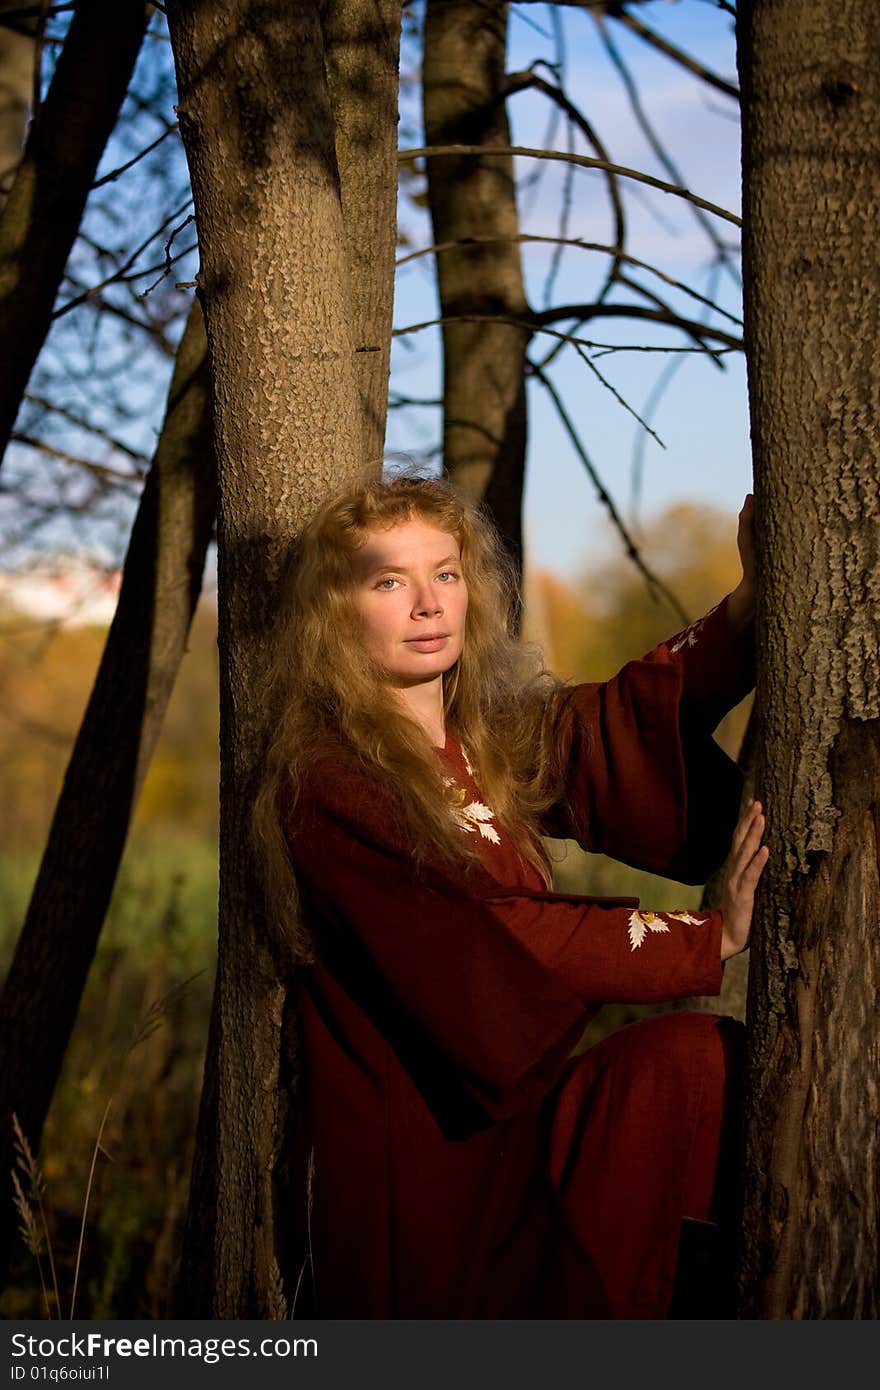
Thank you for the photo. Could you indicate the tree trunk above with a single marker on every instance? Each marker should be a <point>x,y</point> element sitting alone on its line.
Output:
<point>362,53</point>
<point>484,398</point>
<point>811,146</point>
<point>732,1000</point>
<point>160,588</point>
<point>43,211</point>
<point>17,51</point>
<point>258,128</point>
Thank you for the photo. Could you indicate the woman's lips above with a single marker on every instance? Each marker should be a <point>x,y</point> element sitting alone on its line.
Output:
<point>428,644</point>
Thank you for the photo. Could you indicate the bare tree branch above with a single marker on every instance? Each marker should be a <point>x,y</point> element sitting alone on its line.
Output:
<point>396,400</point>
<point>652,404</point>
<point>83,424</point>
<point>169,261</point>
<point>532,180</point>
<point>655,396</point>
<point>603,381</point>
<point>101,304</point>
<point>655,585</point>
<point>584,312</point>
<point>661,304</point>
<point>565,219</point>
<point>617,310</point>
<point>583,161</point>
<point>42,214</point>
<point>524,81</point>
<point>676,54</point>
<point>114,173</point>
<point>121,273</point>
<point>98,470</point>
<point>656,144</point>
<point>584,246</point>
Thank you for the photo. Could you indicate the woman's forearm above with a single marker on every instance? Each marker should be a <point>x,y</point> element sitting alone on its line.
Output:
<point>741,609</point>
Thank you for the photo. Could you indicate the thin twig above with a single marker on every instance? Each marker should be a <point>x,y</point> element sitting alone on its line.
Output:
<point>120,274</point>
<point>99,302</point>
<point>98,470</point>
<point>615,393</point>
<point>532,180</point>
<point>661,304</point>
<point>523,81</point>
<point>584,246</point>
<point>84,424</point>
<point>654,141</point>
<point>724,5</point>
<point>532,23</point>
<point>656,395</point>
<point>114,173</point>
<point>538,323</point>
<point>398,400</point>
<point>169,259</point>
<point>583,161</point>
<point>564,219</point>
<point>632,550</point>
<point>676,54</point>
<point>653,402</point>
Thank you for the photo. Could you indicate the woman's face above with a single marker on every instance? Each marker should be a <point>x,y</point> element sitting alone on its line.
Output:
<point>412,599</point>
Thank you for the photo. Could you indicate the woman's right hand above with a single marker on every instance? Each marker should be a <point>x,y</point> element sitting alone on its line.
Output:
<point>745,864</point>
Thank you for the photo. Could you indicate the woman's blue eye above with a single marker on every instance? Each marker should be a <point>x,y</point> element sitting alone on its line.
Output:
<point>449,574</point>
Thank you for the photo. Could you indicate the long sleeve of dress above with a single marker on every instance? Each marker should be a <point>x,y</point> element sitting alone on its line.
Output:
<point>483,991</point>
<point>644,780</point>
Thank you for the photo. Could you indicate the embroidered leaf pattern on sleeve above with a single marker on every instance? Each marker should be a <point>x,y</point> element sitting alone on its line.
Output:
<point>690,635</point>
<point>640,923</point>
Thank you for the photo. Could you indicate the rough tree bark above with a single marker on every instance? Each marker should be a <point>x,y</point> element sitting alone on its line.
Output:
<point>161,583</point>
<point>259,132</point>
<point>362,54</point>
<point>16,88</point>
<point>45,204</point>
<point>484,414</point>
<point>811,146</point>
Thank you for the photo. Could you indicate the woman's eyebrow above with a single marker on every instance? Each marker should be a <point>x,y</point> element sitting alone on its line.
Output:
<point>402,569</point>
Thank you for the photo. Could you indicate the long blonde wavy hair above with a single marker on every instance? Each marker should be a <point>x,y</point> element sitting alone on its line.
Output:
<point>325,691</point>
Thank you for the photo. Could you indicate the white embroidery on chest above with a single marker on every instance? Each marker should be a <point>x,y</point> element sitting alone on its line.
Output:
<point>471,815</point>
<point>642,922</point>
<point>690,634</point>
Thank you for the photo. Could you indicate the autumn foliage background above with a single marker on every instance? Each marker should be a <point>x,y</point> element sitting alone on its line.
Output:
<point>160,935</point>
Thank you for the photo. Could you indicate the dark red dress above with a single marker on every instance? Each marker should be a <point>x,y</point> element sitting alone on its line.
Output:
<point>462,1165</point>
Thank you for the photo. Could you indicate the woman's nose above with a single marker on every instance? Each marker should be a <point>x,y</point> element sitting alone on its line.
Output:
<point>427,602</point>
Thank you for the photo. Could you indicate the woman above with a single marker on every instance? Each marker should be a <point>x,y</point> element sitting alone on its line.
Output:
<point>455,1160</point>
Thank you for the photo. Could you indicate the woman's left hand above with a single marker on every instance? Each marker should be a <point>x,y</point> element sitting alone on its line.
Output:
<point>745,541</point>
<point>741,603</point>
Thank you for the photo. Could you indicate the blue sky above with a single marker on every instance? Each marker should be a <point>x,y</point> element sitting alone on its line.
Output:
<point>703,417</point>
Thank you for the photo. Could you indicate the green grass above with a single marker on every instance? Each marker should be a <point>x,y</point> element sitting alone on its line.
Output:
<point>160,930</point>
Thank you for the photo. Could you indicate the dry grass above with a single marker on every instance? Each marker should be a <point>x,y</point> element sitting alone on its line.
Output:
<point>28,1181</point>
<point>308,1261</point>
<point>30,1191</point>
